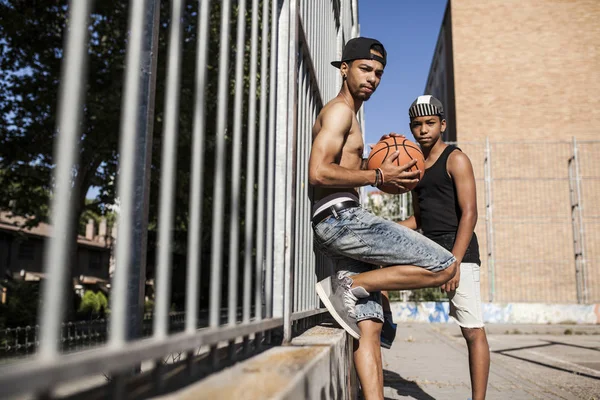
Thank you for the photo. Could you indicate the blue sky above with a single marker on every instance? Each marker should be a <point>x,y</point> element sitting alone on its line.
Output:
<point>408,29</point>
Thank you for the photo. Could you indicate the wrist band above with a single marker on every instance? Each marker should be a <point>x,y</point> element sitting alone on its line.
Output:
<point>381,175</point>
<point>377,178</point>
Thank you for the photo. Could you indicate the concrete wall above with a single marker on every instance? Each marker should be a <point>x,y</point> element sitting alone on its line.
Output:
<point>316,366</point>
<point>515,313</point>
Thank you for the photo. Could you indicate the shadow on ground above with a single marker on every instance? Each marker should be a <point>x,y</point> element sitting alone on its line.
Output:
<point>404,387</point>
<point>505,352</point>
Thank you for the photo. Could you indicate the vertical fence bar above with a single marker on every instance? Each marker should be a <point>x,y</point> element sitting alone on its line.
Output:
<point>303,217</point>
<point>276,11</point>
<point>236,165</point>
<point>284,64</point>
<point>143,159</point>
<point>298,270</point>
<point>489,217</point>
<point>574,223</point>
<point>580,259</point>
<point>306,255</point>
<point>66,153</point>
<point>309,255</point>
<point>262,158</point>
<point>168,164</point>
<point>219,181</point>
<point>197,182</point>
<point>291,173</point>
<point>127,151</point>
<point>250,164</point>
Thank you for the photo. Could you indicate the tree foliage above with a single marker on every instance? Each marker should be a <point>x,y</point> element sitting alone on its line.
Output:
<point>93,304</point>
<point>31,39</point>
<point>20,309</point>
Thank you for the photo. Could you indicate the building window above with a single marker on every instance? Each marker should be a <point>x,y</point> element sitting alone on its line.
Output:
<point>26,250</point>
<point>95,260</point>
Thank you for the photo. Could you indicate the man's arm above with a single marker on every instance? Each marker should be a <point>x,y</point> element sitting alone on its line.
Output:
<point>414,222</point>
<point>461,171</point>
<point>323,167</point>
<point>327,148</point>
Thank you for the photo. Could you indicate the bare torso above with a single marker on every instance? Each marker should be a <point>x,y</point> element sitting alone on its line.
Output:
<point>350,156</point>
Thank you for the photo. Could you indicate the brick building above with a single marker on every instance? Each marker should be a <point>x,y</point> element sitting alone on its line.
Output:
<point>22,252</point>
<point>524,75</point>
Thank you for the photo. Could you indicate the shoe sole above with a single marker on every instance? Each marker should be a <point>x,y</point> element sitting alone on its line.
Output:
<point>325,299</point>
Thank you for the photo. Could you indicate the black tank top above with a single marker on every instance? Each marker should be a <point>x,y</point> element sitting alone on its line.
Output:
<point>440,212</point>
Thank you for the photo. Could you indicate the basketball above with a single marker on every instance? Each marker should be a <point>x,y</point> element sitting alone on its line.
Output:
<point>408,151</point>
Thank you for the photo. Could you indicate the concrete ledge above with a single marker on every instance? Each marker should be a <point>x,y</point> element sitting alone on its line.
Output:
<point>317,365</point>
<point>493,313</point>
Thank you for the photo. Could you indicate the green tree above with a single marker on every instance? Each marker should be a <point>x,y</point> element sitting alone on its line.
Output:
<point>31,41</point>
<point>93,304</point>
<point>21,305</point>
<point>427,294</point>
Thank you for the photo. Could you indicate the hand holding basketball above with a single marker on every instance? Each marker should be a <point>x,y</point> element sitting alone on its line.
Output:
<point>387,136</point>
<point>398,179</point>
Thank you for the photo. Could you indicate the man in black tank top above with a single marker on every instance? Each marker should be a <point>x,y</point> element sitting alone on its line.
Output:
<point>445,208</point>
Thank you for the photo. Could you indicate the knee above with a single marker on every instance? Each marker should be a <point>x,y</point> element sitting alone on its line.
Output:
<point>370,329</point>
<point>473,335</point>
<point>445,275</point>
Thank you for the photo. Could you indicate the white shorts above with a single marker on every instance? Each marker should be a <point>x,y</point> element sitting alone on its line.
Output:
<point>465,301</point>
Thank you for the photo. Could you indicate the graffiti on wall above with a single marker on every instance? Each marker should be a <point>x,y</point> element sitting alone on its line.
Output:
<point>511,313</point>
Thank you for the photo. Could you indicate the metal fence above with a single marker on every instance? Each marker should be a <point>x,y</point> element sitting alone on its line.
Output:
<point>21,341</point>
<point>261,259</point>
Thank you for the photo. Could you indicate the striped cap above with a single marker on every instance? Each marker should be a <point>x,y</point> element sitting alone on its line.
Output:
<point>426,105</point>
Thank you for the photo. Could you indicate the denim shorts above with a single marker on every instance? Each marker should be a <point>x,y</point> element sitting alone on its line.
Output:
<point>358,241</point>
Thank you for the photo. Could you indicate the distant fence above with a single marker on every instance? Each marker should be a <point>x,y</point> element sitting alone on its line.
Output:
<point>539,219</point>
<point>77,335</point>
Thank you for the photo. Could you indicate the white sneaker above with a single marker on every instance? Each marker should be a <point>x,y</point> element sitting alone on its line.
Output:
<point>337,295</point>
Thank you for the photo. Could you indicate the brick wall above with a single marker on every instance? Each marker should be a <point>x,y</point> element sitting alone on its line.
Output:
<point>526,75</point>
<point>526,69</point>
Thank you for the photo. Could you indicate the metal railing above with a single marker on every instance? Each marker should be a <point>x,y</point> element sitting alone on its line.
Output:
<point>21,341</point>
<point>281,78</point>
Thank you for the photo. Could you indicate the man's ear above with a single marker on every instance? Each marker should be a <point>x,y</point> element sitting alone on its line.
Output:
<point>344,70</point>
<point>443,124</point>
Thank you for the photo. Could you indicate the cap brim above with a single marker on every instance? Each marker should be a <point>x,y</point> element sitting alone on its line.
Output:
<point>336,64</point>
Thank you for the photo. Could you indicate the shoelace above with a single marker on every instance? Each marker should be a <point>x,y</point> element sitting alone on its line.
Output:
<point>349,299</point>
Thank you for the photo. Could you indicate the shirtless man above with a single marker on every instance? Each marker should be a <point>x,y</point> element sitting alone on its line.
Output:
<point>357,241</point>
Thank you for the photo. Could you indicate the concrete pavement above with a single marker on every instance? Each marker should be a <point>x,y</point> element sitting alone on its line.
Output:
<point>429,361</point>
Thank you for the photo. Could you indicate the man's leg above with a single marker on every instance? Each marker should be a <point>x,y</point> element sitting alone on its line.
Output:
<point>479,360</point>
<point>402,277</point>
<point>412,261</point>
<point>367,359</point>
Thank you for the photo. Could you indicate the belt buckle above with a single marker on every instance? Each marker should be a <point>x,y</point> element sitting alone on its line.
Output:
<point>333,212</point>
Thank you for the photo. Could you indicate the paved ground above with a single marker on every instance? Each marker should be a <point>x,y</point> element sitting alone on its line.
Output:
<point>429,361</point>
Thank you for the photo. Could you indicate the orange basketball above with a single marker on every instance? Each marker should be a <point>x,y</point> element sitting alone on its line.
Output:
<point>408,151</point>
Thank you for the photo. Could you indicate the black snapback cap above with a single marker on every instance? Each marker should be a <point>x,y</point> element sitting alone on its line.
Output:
<point>360,49</point>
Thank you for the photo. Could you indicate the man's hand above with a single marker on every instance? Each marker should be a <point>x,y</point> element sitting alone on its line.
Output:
<point>452,284</point>
<point>392,134</point>
<point>399,176</point>
<point>388,135</point>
